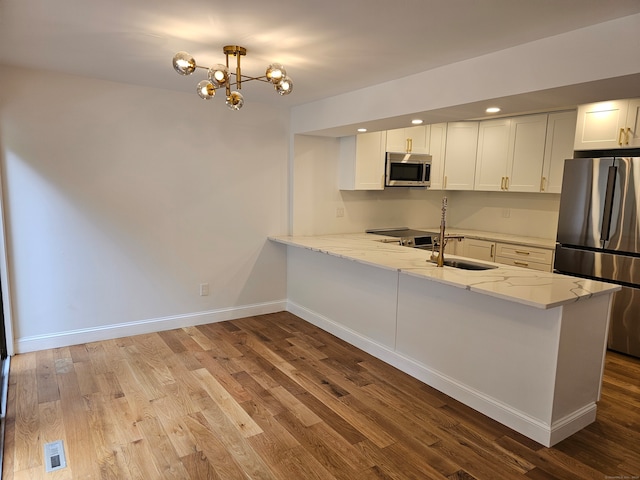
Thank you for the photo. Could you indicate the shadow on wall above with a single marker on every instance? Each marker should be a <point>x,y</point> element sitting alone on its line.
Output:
<point>392,207</point>
<point>527,214</point>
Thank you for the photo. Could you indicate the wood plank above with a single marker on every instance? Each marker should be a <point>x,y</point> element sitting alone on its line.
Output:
<point>274,397</point>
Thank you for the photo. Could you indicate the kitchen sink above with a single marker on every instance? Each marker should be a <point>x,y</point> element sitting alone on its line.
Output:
<point>466,264</point>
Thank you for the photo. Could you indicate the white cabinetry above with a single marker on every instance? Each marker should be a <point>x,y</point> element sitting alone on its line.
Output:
<point>524,256</point>
<point>559,146</point>
<point>606,125</point>
<point>493,154</point>
<point>480,249</point>
<point>460,155</point>
<point>437,145</point>
<point>409,140</point>
<point>362,162</point>
<point>511,153</point>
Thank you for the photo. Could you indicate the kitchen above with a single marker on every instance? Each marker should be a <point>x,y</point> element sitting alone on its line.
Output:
<point>129,197</point>
<point>384,332</point>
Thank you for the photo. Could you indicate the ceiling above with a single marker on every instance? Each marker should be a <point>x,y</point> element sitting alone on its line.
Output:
<point>329,47</point>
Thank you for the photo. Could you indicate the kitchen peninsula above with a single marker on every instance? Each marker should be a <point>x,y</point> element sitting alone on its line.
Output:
<point>524,347</point>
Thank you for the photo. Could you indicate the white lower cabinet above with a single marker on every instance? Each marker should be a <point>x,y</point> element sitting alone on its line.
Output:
<point>524,256</point>
<point>480,249</point>
<point>509,254</point>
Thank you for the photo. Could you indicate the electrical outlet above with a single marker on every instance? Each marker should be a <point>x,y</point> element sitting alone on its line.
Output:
<point>204,289</point>
<point>339,212</point>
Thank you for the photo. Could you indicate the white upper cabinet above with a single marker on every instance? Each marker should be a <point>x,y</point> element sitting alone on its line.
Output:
<point>561,129</point>
<point>526,153</point>
<point>437,145</point>
<point>409,140</point>
<point>493,154</point>
<point>460,155</point>
<point>606,125</point>
<point>362,160</point>
<point>511,154</point>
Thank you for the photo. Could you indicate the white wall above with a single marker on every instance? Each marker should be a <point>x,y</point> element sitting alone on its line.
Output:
<point>120,200</point>
<point>574,58</point>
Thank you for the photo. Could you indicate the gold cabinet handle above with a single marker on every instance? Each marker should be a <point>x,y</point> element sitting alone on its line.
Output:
<point>444,185</point>
<point>543,181</point>
<point>506,183</point>
<point>521,264</point>
<point>502,183</point>
<point>620,136</point>
<point>491,252</point>
<point>626,137</point>
<point>409,145</point>
<point>523,252</point>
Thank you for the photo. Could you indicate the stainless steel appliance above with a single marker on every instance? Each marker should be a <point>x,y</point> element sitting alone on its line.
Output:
<point>599,236</point>
<point>407,170</point>
<point>406,236</point>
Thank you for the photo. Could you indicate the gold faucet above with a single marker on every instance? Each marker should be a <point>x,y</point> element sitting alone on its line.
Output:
<point>442,240</point>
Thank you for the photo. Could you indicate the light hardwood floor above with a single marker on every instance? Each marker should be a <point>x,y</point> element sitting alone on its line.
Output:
<point>273,397</point>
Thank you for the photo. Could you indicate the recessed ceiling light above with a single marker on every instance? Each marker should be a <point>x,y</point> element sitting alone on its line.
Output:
<point>492,110</point>
<point>362,130</point>
<point>417,121</point>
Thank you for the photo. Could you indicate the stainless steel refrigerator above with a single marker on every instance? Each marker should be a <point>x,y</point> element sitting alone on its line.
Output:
<point>599,236</point>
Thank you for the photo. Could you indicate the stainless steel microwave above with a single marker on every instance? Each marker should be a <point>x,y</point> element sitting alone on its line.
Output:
<point>407,170</point>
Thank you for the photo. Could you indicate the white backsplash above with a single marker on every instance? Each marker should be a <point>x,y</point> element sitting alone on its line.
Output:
<point>528,214</point>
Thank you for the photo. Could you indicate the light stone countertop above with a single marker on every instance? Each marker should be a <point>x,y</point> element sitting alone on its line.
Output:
<point>529,287</point>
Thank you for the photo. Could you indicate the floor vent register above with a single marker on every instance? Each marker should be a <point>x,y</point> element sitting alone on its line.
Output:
<point>54,456</point>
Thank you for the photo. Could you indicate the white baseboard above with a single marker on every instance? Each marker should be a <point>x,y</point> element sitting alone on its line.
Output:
<point>527,425</point>
<point>108,332</point>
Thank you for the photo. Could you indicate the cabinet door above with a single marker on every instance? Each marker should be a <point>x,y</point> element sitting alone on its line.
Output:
<point>493,155</point>
<point>479,249</point>
<point>524,256</point>
<point>526,153</point>
<point>454,246</point>
<point>437,144</point>
<point>460,155</point>
<point>561,129</point>
<point>633,124</point>
<point>601,125</point>
<point>397,140</point>
<point>362,162</point>
<point>411,139</point>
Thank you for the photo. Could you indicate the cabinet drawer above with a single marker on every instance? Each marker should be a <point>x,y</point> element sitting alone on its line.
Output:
<point>544,267</point>
<point>524,253</point>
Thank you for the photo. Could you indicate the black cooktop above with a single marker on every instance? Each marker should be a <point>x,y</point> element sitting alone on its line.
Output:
<point>399,232</point>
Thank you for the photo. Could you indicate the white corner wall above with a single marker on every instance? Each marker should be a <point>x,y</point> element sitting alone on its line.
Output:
<point>121,200</point>
<point>589,54</point>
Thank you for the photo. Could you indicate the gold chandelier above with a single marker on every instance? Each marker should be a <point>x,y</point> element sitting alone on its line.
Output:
<point>219,76</point>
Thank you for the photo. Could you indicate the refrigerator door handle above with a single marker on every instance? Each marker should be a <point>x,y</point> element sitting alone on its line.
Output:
<point>608,204</point>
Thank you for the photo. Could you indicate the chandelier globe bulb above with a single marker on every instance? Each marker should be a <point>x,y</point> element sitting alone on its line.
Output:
<point>284,86</point>
<point>275,73</point>
<point>206,90</point>
<point>219,74</point>
<point>184,63</point>
<point>235,100</point>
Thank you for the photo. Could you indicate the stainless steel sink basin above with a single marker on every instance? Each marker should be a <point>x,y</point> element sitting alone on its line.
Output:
<point>466,265</point>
